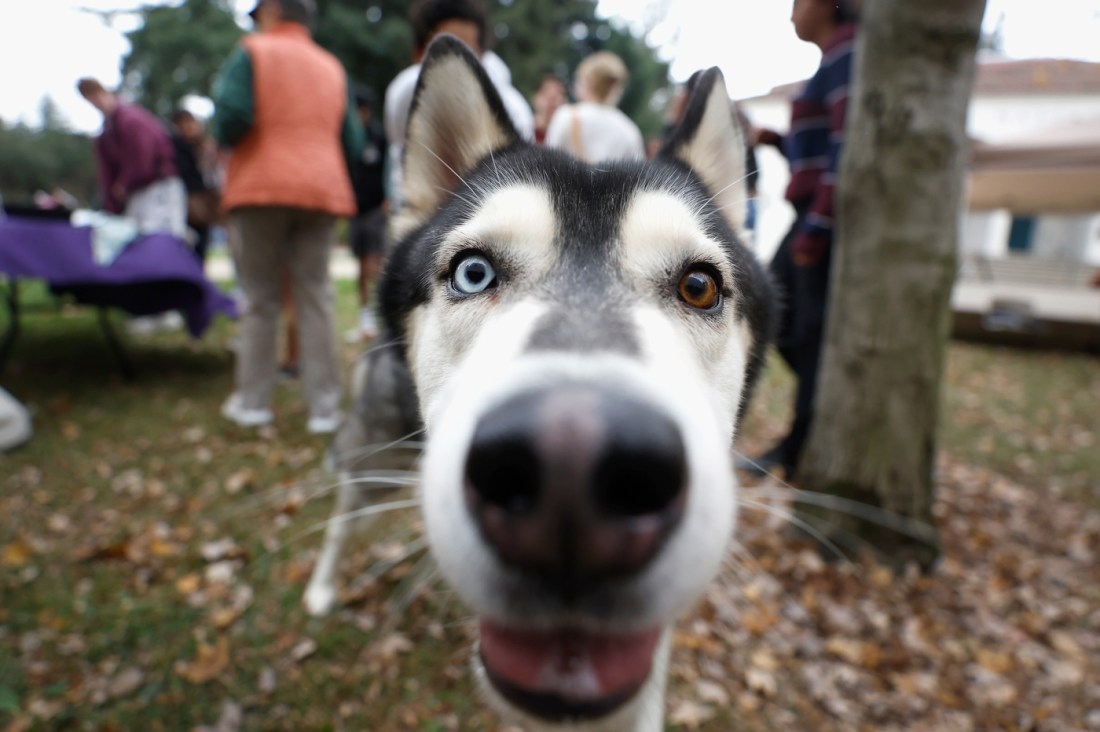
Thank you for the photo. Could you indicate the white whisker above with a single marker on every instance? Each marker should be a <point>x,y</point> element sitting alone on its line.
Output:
<point>791,518</point>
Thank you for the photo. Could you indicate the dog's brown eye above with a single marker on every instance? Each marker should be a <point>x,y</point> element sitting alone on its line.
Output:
<point>698,289</point>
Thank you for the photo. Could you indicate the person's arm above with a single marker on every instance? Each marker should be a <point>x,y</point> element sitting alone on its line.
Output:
<point>352,135</point>
<point>763,136</point>
<point>234,104</point>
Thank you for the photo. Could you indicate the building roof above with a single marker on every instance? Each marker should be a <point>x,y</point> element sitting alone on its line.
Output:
<point>1037,76</point>
<point>998,76</point>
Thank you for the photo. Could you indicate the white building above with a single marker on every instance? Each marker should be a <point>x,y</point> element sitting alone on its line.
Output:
<point>1012,100</point>
<point>1034,196</point>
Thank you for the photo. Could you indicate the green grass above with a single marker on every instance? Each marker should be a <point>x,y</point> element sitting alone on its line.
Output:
<point>103,516</point>
<point>1030,415</point>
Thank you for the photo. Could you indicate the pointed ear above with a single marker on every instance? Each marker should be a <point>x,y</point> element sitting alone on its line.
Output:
<point>711,142</point>
<point>456,120</point>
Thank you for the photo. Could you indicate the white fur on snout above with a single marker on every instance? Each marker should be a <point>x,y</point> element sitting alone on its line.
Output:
<point>451,413</point>
<point>669,382</point>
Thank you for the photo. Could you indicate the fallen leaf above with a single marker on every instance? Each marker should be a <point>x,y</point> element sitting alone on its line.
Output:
<point>762,682</point>
<point>126,682</point>
<point>222,618</point>
<point>690,714</point>
<point>303,650</point>
<point>391,646</point>
<point>240,480</point>
<point>210,661</point>
<point>59,523</point>
<point>188,584</point>
<point>999,662</point>
<point>229,721</point>
<point>267,681</point>
<point>16,554</point>
<point>711,693</point>
<point>226,548</point>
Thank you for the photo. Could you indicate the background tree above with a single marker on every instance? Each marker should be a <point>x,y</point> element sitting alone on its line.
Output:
<point>51,155</point>
<point>177,51</point>
<point>899,202</point>
<point>536,38</point>
<point>372,38</point>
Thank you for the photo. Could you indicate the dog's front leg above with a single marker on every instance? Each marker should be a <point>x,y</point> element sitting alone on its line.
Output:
<point>322,591</point>
<point>381,417</point>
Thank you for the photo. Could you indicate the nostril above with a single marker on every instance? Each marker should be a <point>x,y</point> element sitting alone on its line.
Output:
<point>503,472</point>
<point>574,484</point>
<point>644,469</point>
<point>502,466</point>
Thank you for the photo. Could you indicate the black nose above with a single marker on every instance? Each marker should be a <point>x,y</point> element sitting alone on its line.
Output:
<point>576,485</point>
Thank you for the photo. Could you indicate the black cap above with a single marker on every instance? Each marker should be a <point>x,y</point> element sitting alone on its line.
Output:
<point>306,10</point>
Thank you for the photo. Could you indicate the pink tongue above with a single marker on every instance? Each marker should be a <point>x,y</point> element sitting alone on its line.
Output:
<point>568,663</point>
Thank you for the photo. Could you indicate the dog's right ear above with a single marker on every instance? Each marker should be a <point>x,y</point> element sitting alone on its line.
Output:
<point>456,120</point>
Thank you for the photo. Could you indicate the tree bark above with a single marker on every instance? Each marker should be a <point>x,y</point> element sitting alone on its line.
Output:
<point>899,199</point>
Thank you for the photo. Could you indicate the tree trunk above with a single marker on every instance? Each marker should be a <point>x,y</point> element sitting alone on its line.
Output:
<point>899,199</point>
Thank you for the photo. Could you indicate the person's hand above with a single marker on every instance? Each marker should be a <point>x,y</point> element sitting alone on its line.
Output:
<point>808,249</point>
<point>764,136</point>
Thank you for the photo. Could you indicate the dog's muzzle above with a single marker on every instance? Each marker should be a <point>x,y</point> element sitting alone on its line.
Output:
<point>574,487</point>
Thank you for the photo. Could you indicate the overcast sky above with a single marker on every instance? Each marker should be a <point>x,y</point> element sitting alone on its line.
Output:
<point>45,45</point>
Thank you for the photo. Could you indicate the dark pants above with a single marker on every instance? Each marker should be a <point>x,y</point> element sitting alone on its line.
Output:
<point>803,296</point>
<point>202,241</point>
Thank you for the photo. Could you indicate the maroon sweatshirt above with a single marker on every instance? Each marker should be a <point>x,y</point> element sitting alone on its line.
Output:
<point>133,151</point>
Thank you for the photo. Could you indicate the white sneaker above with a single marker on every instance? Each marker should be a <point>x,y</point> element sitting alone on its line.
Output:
<point>324,425</point>
<point>368,325</point>
<point>143,325</point>
<point>147,325</point>
<point>234,412</point>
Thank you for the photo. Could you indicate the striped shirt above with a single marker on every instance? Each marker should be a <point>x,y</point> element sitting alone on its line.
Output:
<point>813,145</point>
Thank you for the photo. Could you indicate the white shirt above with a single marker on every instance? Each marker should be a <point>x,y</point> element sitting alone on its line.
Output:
<point>398,101</point>
<point>605,133</point>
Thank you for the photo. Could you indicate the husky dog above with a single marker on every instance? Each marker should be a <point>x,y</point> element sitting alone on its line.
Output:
<point>578,342</point>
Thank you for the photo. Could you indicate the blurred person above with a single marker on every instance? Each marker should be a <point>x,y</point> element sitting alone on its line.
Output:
<point>801,265</point>
<point>195,160</point>
<point>367,231</point>
<point>468,21</point>
<point>675,113</point>
<point>136,164</point>
<point>752,169</point>
<point>550,95</point>
<point>594,129</point>
<point>283,106</point>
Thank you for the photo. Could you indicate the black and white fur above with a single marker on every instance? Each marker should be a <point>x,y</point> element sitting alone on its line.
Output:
<point>577,485</point>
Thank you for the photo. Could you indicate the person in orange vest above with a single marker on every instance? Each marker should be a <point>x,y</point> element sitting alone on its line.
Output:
<point>284,109</point>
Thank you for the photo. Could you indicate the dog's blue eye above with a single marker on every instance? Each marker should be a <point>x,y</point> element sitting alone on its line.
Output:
<point>473,274</point>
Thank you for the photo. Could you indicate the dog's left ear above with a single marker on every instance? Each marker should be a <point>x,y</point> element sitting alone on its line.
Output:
<point>456,120</point>
<point>710,141</point>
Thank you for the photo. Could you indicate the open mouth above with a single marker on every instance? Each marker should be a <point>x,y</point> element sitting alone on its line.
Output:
<point>566,674</point>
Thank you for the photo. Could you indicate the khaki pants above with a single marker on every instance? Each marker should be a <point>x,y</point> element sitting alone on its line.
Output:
<point>160,206</point>
<point>267,239</point>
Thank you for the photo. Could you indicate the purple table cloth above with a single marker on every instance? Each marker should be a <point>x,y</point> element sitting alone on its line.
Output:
<point>155,273</point>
